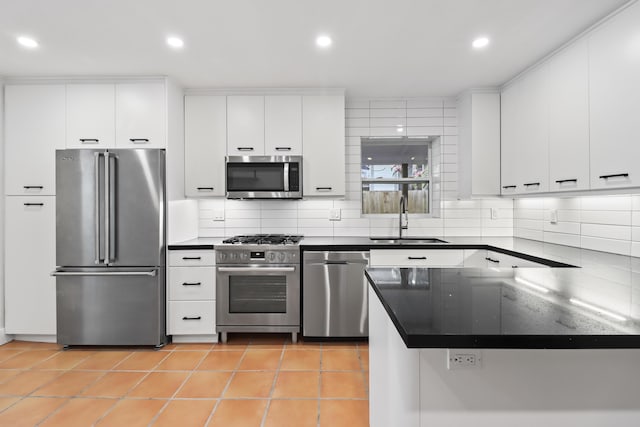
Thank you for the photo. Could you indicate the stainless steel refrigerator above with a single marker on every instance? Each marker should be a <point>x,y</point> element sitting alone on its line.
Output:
<point>110,247</point>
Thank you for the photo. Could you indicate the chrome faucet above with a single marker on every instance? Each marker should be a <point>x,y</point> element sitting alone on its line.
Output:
<point>402,210</point>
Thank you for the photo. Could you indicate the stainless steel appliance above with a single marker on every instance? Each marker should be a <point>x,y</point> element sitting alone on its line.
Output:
<point>258,284</point>
<point>334,294</point>
<point>264,177</point>
<point>110,248</point>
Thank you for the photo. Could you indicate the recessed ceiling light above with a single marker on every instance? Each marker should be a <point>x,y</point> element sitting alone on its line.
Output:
<point>480,42</point>
<point>175,42</point>
<point>323,41</point>
<point>27,42</point>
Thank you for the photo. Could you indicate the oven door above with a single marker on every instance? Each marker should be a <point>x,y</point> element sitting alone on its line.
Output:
<point>250,295</point>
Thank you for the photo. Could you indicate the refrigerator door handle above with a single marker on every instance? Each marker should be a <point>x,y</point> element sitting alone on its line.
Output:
<point>108,199</point>
<point>151,273</point>
<point>96,166</point>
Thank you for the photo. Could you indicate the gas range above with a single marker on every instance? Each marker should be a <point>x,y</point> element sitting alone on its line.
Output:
<point>259,249</point>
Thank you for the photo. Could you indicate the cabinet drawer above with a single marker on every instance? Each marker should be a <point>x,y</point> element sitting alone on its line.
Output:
<point>192,283</point>
<point>498,260</point>
<point>192,317</point>
<point>191,258</point>
<point>417,257</point>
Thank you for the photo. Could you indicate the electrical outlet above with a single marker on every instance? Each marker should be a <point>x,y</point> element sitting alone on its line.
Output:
<point>553,216</point>
<point>334,214</point>
<point>494,213</point>
<point>218,215</point>
<point>464,359</point>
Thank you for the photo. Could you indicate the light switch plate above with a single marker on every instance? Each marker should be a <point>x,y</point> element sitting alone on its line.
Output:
<point>218,215</point>
<point>334,214</point>
<point>553,216</point>
<point>494,213</point>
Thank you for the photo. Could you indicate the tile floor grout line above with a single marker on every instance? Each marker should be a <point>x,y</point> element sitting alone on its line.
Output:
<point>175,393</point>
<point>319,389</point>
<point>226,387</point>
<point>273,386</point>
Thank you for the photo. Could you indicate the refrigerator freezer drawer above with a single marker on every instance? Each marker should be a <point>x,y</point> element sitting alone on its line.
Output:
<point>110,307</point>
<point>192,317</point>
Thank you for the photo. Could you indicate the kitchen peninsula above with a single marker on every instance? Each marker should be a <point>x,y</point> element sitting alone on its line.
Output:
<point>548,355</point>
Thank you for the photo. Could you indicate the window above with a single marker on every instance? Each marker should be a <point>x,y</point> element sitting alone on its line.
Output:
<point>392,168</point>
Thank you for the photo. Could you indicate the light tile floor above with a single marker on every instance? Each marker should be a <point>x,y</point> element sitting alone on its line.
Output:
<point>253,380</point>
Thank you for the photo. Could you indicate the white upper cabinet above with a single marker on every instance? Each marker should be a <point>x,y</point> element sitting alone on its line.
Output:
<point>282,125</point>
<point>479,144</point>
<point>205,137</point>
<point>91,115</point>
<point>323,145</point>
<point>569,119</point>
<point>34,129</point>
<point>533,153</point>
<point>614,101</point>
<point>245,125</point>
<point>141,115</point>
<point>510,129</point>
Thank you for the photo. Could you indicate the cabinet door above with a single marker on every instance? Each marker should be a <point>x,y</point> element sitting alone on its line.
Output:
<point>323,145</point>
<point>141,115</point>
<point>91,116</point>
<point>205,145</point>
<point>509,104</point>
<point>283,125</point>
<point>533,147</point>
<point>569,119</point>
<point>30,291</point>
<point>34,129</point>
<point>614,101</point>
<point>245,125</point>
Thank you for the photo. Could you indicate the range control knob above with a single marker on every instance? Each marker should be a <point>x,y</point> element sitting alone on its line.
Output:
<point>244,256</point>
<point>282,256</point>
<point>272,256</point>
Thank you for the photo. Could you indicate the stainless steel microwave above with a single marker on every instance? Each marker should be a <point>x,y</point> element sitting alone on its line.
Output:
<point>264,177</point>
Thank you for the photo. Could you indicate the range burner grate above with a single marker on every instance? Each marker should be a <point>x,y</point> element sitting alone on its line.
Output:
<point>264,239</point>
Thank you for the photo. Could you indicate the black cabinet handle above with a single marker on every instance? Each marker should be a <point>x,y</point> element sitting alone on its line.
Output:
<point>283,148</point>
<point>139,140</point>
<point>192,284</point>
<point>417,257</point>
<point>615,175</point>
<point>89,140</point>
<point>28,187</point>
<point>508,186</point>
<point>560,181</point>
<point>492,260</point>
<point>245,148</point>
<point>192,318</point>
<point>204,188</point>
<point>324,188</point>
<point>34,204</point>
<point>191,257</point>
<point>529,184</point>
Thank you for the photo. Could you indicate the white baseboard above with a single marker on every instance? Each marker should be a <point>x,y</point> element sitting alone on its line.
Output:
<point>194,338</point>
<point>4,338</point>
<point>35,338</point>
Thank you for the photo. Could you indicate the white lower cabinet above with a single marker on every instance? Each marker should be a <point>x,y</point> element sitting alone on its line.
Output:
<point>416,258</point>
<point>30,257</point>
<point>191,307</point>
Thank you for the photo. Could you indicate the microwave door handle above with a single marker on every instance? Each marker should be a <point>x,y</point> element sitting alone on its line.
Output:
<point>286,176</point>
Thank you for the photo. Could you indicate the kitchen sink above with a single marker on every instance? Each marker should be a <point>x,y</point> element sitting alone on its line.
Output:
<point>406,240</point>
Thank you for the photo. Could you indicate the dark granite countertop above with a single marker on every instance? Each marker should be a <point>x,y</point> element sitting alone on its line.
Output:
<point>509,308</point>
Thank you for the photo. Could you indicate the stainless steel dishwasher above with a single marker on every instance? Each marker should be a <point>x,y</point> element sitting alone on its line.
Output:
<point>334,294</point>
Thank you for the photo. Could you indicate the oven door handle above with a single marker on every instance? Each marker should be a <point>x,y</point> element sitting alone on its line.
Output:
<point>257,269</point>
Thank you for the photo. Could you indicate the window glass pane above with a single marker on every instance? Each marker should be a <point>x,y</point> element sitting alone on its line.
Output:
<point>385,198</point>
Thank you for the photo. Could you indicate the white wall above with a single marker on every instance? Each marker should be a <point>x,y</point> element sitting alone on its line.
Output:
<point>371,117</point>
<point>602,223</point>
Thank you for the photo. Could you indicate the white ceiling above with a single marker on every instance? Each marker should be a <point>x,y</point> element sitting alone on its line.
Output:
<point>381,47</point>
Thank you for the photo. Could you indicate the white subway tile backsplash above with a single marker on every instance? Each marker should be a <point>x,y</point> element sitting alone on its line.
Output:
<point>450,121</point>
<point>562,227</point>
<point>315,232</point>
<point>497,223</point>
<point>528,233</point>
<point>424,112</point>
<point>450,102</point>
<point>357,103</point>
<point>501,232</point>
<point>474,232</point>
<point>388,112</point>
<point>425,131</point>
<point>621,247</point>
<point>529,224</point>
<point>635,218</point>
<point>357,122</point>
<point>459,222</point>
<point>635,202</point>
<point>390,131</point>
<point>315,222</point>
<point>529,204</point>
<point>536,214</point>
<point>635,234</point>
<point>562,239</point>
<point>425,232</point>
<point>425,121</point>
<point>345,232</point>
<point>609,203</point>
<point>239,214</point>
<point>280,214</point>
<point>364,131</point>
<point>388,104</point>
<point>387,122</point>
<point>606,217</point>
<point>606,231</point>
<point>234,231</point>
<point>425,102</point>
<point>242,223</point>
<point>556,203</point>
<point>354,113</point>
